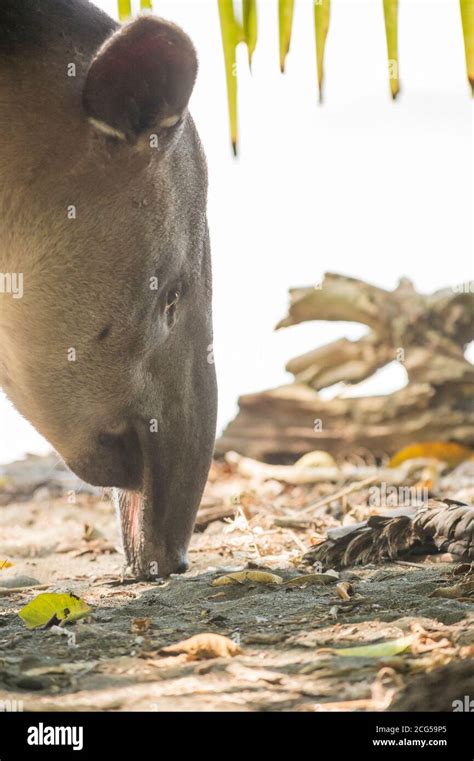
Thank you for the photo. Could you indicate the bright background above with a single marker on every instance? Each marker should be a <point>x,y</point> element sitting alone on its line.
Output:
<point>360,186</point>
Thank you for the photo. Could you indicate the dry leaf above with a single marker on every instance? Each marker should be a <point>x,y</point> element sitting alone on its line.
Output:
<point>140,625</point>
<point>344,590</point>
<point>5,564</point>
<point>454,592</point>
<point>245,577</point>
<point>91,533</point>
<point>445,451</point>
<point>311,578</point>
<point>206,645</point>
<point>379,650</point>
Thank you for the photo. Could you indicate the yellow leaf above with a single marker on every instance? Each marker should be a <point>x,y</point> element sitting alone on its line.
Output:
<point>321,26</point>
<point>311,578</point>
<point>390,9</point>
<point>124,9</point>
<point>146,5</point>
<point>467,18</point>
<point>52,608</point>
<point>232,33</point>
<point>445,451</point>
<point>243,577</point>
<point>205,646</point>
<point>5,564</point>
<point>285,23</point>
<point>249,14</point>
<point>380,650</point>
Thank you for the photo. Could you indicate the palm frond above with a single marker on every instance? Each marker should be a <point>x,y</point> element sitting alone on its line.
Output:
<point>322,10</point>
<point>390,9</point>
<point>467,18</point>
<point>285,24</point>
<point>234,32</point>
<point>249,9</point>
<point>124,9</point>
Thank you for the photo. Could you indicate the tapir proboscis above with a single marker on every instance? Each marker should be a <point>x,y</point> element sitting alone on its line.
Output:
<point>105,277</point>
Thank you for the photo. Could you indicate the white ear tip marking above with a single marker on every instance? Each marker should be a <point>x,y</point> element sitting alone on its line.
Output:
<point>170,121</point>
<point>106,128</point>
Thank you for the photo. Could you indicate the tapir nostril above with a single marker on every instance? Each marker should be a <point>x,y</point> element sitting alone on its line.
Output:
<point>182,567</point>
<point>108,440</point>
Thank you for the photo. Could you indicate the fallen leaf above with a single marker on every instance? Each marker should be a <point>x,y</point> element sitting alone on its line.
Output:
<point>51,608</point>
<point>311,578</point>
<point>344,590</point>
<point>379,650</point>
<point>463,569</point>
<point>445,451</point>
<point>91,533</point>
<point>454,592</point>
<point>206,645</point>
<point>140,625</point>
<point>426,643</point>
<point>5,564</point>
<point>244,577</point>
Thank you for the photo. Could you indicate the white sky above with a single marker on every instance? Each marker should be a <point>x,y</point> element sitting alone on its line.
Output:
<point>360,185</point>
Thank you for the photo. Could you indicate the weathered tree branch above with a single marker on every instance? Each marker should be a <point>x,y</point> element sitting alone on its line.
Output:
<point>426,333</point>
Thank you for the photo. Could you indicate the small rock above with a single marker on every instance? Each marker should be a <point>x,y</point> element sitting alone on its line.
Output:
<point>18,581</point>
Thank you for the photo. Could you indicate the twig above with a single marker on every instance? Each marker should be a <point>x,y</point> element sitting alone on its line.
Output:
<point>4,591</point>
<point>353,487</point>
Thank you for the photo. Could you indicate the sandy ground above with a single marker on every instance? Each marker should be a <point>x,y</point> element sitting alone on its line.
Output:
<point>114,661</point>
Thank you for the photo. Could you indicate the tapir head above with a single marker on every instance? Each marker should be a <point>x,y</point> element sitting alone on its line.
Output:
<point>107,346</point>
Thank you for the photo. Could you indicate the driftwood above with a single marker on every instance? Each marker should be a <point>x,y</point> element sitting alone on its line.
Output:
<point>427,334</point>
<point>300,476</point>
<point>438,526</point>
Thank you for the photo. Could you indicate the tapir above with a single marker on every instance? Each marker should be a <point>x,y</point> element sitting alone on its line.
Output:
<point>107,346</point>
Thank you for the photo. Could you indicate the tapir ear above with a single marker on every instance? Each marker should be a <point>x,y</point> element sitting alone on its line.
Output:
<point>140,79</point>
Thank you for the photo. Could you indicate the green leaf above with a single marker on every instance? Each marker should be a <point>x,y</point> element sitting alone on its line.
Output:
<point>52,608</point>
<point>467,18</point>
<point>124,9</point>
<point>285,23</point>
<point>249,8</point>
<point>232,33</point>
<point>321,26</point>
<point>380,650</point>
<point>390,10</point>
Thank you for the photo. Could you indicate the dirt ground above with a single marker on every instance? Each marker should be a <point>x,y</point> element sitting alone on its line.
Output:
<point>113,660</point>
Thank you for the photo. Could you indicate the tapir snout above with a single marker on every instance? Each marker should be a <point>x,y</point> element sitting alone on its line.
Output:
<point>103,188</point>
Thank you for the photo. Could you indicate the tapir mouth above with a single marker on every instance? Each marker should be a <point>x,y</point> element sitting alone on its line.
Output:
<point>148,554</point>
